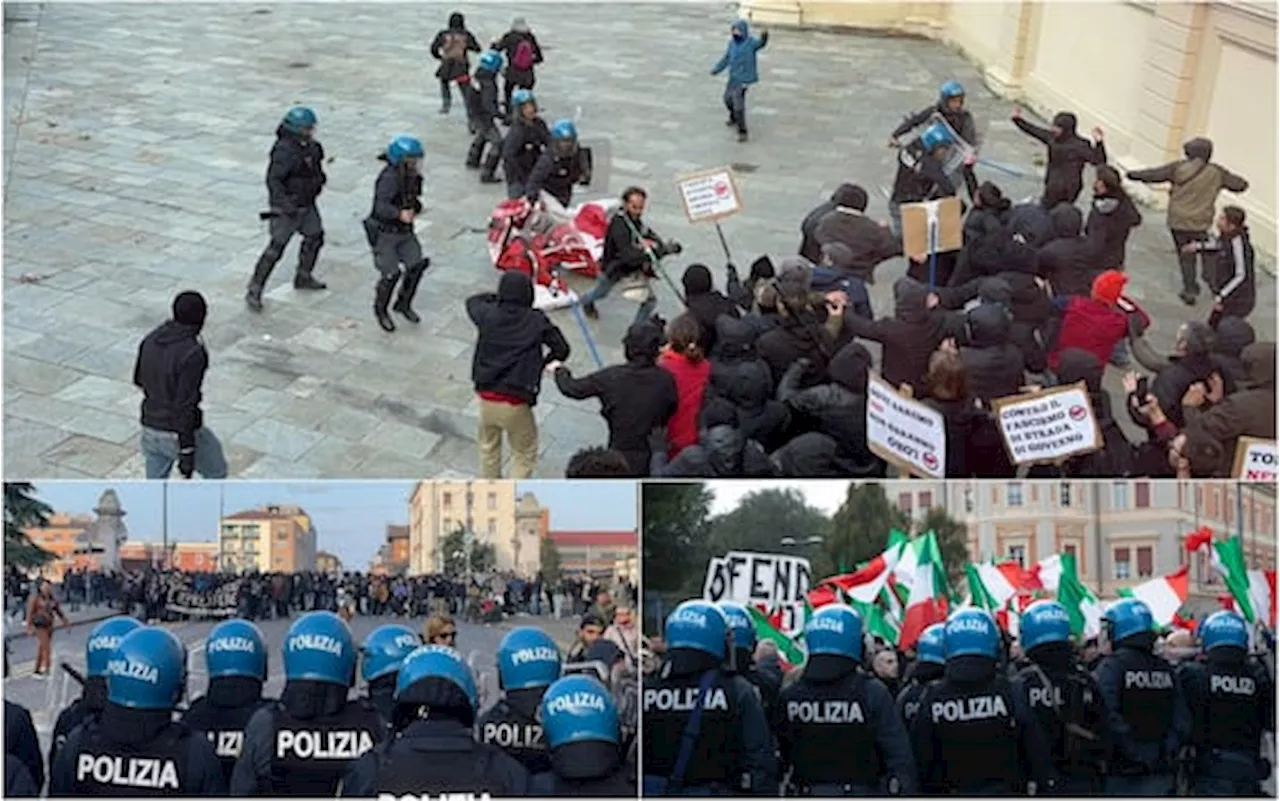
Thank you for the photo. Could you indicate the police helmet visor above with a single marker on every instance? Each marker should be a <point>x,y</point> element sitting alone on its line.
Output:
<point>564,148</point>
<point>955,103</point>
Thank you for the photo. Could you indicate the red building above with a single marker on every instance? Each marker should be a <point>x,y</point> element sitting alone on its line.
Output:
<point>602,554</point>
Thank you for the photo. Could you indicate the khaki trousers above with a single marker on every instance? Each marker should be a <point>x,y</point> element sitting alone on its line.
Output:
<point>518,424</point>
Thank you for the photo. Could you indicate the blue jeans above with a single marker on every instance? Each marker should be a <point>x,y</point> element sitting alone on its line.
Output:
<point>160,448</point>
<point>605,284</point>
<point>735,100</point>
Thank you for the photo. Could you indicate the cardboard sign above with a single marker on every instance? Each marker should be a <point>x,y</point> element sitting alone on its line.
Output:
<point>905,432</point>
<point>1256,460</point>
<point>1048,426</point>
<point>770,581</point>
<point>917,218</point>
<point>709,196</point>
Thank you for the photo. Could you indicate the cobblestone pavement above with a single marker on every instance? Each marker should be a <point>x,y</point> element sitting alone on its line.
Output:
<point>136,141</point>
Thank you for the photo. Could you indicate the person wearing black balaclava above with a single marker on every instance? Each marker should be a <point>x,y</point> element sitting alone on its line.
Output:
<point>722,451</point>
<point>705,303</point>
<point>1068,153</point>
<point>837,408</point>
<point>450,48</point>
<point>170,369</point>
<point>1112,218</point>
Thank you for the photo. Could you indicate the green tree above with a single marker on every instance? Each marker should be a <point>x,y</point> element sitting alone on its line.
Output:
<point>953,542</point>
<point>675,531</point>
<point>23,510</point>
<point>454,546</point>
<point>765,517</point>
<point>860,528</point>
<point>549,556</point>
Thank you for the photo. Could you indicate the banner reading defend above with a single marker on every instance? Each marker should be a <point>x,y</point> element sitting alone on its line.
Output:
<point>905,432</point>
<point>1048,426</point>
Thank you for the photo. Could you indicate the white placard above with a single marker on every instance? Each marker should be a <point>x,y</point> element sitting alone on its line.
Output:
<point>905,432</point>
<point>770,581</point>
<point>1048,426</point>
<point>710,195</point>
<point>1256,460</point>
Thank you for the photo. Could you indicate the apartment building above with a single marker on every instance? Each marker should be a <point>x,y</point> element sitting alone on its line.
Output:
<point>328,563</point>
<point>269,539</point>
<point>437,508</point>
<point>599,554</point>
<point>63,538</point>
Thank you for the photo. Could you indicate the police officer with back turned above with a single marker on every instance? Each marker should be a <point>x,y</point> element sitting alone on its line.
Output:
<point>236,659</point>
<point>1231,702</point>
<point>583,733</point>
<point>135,748</point>
<point>973,735</point>
<point>1064,698</point>
<point>704,729</point>
<point>389,228</point>
<point>98,648</point>
<point>743,662</point>
<point>930,657</point>
<point>528,663</point>
<point>433,751</point>
<point>381,655</point>
<point>295,178</point>
<point>1146,711</point>
<point>302,744</point>
<point>839,731</point>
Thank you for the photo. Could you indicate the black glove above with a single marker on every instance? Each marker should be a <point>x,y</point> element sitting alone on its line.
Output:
<point>187,462</point>
<point>673,247</point>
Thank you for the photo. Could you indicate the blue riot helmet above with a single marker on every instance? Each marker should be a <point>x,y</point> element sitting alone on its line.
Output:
<point>564,139</point>
<point>951,90</point>
<point>490,61</point>
<point>384,649</point>
<point>1224,630</point>
<point>697,625</point>
<point>1042,623</point>
<point>835,630</point>
<point>1126,618</point>
<point>527,658</point>
<point>299,120</point>
<point>971,632</point>
<point>404,147</point>
<point>103,641</point>
<point>931,647</point>
<point>147,670</point>
<point>439,662</point>
<point>739,619</point>
<point>524,97</point>
<point>319,647</point>
<point>578,709</point>
<point>935,136</point>
<point>236,648</point>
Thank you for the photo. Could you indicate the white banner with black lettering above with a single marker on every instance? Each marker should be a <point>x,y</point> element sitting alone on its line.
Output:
<point>773,582</point>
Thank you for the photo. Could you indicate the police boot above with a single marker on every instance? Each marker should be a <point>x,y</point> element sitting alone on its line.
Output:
<point>382,299</point>
<point>473,155</point>
<point>308,252</point>
<point>412,277</point>
<point>490,167</point>
<point>261,272</point>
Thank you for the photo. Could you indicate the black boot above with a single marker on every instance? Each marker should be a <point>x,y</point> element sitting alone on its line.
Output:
<point>253,298</point>
<point>261,272</point>
<point>382,299</point>
<point>474,153</point>
<point>412,277</point>
<point>490,167</point>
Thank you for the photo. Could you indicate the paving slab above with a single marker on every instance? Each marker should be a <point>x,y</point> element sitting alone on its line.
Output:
<point>121,191</point>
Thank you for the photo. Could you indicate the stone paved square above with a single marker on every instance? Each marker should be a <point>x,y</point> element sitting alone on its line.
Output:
<point>136,140</point>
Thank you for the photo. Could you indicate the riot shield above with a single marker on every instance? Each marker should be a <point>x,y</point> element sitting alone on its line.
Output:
<point>911,150</point>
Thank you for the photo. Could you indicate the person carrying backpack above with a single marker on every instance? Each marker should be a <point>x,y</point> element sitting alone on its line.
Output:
<point>450,48</point>
<point>522,51</point>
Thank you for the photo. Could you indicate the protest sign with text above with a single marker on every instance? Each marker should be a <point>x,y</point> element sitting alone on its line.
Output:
<point>1255,460</point>
<point>772,582</point>
<point>1049,425</point>
<point>709,196</point>
<point>905,432</point>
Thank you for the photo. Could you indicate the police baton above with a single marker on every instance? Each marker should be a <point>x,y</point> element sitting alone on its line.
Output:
<point>73,673</point>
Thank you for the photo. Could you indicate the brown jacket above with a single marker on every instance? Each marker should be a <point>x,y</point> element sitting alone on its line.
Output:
<point>1194,186</point>
<point>1248,412</point>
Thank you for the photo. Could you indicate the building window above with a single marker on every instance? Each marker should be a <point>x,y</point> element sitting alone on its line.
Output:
<point>1142,494</point>
<point>1064,494</point>
<point>1014,493</point>
<point>493,501</point>
<point>925,501</point>
<point>1120,558</point>
<point>447,525</point>
<point>1120,495</point>
<point>493,527</point>
<point>1035,493</point>
<point>447,500</point>
<point>904,501</point>
<point>1018,553</point>
<point>1146,565</point>
<point>968,499</point>
<point>282,535</point>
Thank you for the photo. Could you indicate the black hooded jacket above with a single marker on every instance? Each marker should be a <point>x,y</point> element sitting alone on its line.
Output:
<point>1173,381</point>
<point>721,452</point>
<point>1116,458</point>
<point>994,363</point>
<point>741,379</point>
<point>812,455</point>
<point>797,336</point>
<point>1068,154</point>
<point>705,303</point>
<point>516,340</point>
<point>1112,217</point>
<point>451,46</point>
<point>909,337</point>
<point>1067,261</point>
<point>295,175</point>
<point>838,408</point>
<point>170,369</point>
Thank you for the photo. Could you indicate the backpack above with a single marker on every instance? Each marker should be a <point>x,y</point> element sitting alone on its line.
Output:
<point>455,46</point>
<point>523,57</point>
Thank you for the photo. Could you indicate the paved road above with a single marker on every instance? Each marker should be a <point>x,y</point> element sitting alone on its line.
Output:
<point>47,697</point>
<point>134,155</point>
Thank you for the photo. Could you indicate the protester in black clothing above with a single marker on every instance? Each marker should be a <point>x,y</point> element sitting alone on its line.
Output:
<point>1116,457</point>
<point>803,330</point>
<point>522,53</point>
<point>1231,336</point>
<point>630,248</point>
<point>809,247</point>
<point>704,303</point>
<point>598,463</point>
<point>450,48</point>
<point>984,236</point>
<point>170,369</point>
<point>1068,154</point>
<point>1112,217</point>
<point>991,360</point>
<point>811,455</point>
<point>516,342</point>
<point>741,380</point>
<point>1066,261</point>
<point>912,335</point>
<point>1191,362</point>
<point>869,242</point>
<point>722,451</point>
<point>837,408</point>
<point>635,397</point>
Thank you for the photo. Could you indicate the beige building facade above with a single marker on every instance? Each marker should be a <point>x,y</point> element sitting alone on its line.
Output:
<point>494,513</point>
<point>269,539</point>
<point>1152,74</point>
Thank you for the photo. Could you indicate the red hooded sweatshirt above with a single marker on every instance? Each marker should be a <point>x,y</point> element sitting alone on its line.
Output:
<point>1092,325</point>
<point>691,381</point>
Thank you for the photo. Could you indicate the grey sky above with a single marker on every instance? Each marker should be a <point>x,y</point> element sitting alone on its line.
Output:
<point>826,495</point>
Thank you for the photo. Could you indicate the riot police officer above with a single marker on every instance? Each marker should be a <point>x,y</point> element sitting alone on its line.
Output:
<point>1231,703</point>
<point>768,685</point>
<point>838,729</point>
<point>972,734</point>
<point>295,178</point>
<point>24,767</point>
<point>524,143</point>
<point>135,748</point>
<point>433,751</point>
<point>302,744</point>
<point>389,228</point>
<point>102,642</point>
<point>561,165</point>
<point>583,733</point>
<point>704,727</point>
<point>528,663</point>
<point>930,657</point>
<point>235,656</point>
<point>380,657</point>
<point>1147,716</point>
<point>1064,698</point>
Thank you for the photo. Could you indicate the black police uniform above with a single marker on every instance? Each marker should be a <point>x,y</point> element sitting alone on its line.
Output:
<point>521,149</point>
<point>295,178</point>
<point>510,725</point>
<point>21,741</point>
<point>89,706</point>
<point>17,779</point>
<point>382,694</point>
<point>433,757</point>
<point>1147,716</point>
<point>733,752</point>
<point>908,701</point>
<point>583,770</point>
<point>973,735</point>
<point>116,756</point>
<point>285,755</point>
<point>960,121</point>
<point>557,175</point>
<point>223,726</point>
<point>1068,705</point>
<point>398,188</point>
<point>1231,702</point>
<point>840,733</point>
<point>483,113</point>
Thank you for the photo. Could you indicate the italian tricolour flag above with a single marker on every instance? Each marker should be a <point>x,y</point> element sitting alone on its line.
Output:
<point>1164,596</point>
<point>1254,591</point>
